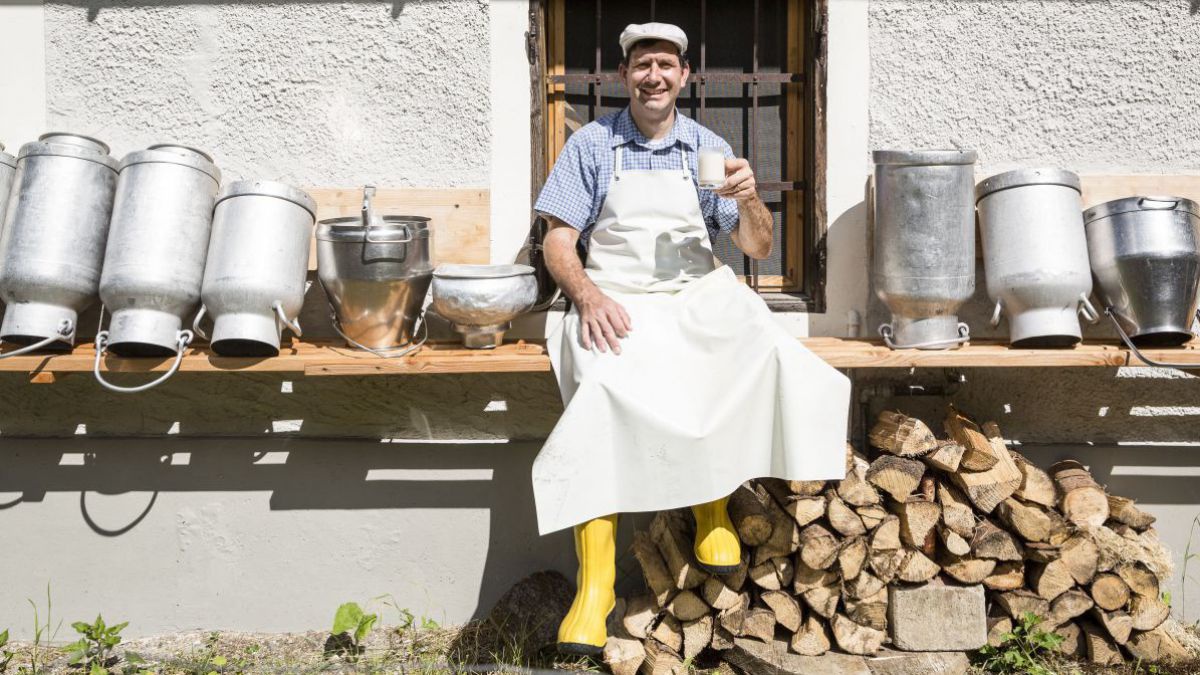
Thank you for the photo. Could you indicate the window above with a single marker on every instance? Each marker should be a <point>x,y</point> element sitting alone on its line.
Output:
<point>757,80</point>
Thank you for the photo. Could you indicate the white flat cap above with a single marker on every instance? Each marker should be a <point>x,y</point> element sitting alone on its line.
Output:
<point>635,32</point>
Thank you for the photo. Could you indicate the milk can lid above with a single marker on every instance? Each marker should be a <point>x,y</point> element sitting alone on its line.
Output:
<point>8,159</point>
<point>171,153</point>
<point>268,188</point>
<point>460,271</point>
<point>924,157</point>
<point>1023,177</point>
<point>1141,203</point>
<point>393,229</point>
<point>76,146</point>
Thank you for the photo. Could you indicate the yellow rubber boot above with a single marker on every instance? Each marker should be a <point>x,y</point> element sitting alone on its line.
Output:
<point>583,631</point>
<point>717,548</point>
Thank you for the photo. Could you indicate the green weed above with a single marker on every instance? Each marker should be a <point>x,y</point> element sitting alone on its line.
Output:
<point>1021,651</point>
<point>351,626</point>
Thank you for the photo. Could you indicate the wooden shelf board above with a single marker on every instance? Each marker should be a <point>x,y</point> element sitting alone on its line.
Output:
<point>329,359</point>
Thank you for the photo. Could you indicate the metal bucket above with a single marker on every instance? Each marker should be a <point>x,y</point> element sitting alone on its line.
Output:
<point>375,271</point>
<point>254,279</point>
<point>1147,265</point>
<point>1035,255</point>
<point>924,248</point>
<point>482,300</point>
<point>52,244</point>
<point>154,261</point>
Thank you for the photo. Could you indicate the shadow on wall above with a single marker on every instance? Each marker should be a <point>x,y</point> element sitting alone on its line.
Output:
<point>300,475</point>
<point>94,7</point>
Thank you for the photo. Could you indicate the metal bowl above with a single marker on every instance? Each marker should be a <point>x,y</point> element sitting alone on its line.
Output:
<point>480,301</point>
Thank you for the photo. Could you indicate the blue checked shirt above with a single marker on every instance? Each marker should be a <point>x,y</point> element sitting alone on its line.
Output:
<point>578,184</point>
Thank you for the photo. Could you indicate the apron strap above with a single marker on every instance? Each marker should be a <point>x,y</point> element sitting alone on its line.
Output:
<point>617,168</point>
<point>683,157</point>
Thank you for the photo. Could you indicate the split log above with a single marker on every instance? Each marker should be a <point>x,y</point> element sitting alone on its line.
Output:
<point>1100,649</point>
<point>661,660</point>
<point>995,543</point>
<point>731,619</point>
<point>965,569</point>
<point>640,612</point>
<point>842,517</point>
<point>988,488</point>
<point>823,600</point>
<point>1036,485</point>
<point>654,568</point>
<point>854,488</point>
<point>1119,624</point>
<point>1017,603</point>
<point>870,612</point>
<point>1156,646</point>
<point>1060,529</point>
<point>1148,612</point>
<point>886,564</point>
<point>718,594</point>
<point>697,635</point>
<point>952,542</point>
<point>813,637</point>
<point>687,606</point>
<point>759,623</point>
<point>871,515</point>
<point>737,578</point>
<point>1073,644</point>
<point>1008,576</point>
<point>886,537</point>
<point>624,653</point>
<point>785,535</point>
<point>818,546</point>
<point>806,488</point>
<point>1109,592</point>
<point>1068,605</point>
<point>978,453</point>
<point>1081,556</point>
<point>917,518</point>
<point>774,574</point>
<point>1042,553</point>
<point>667,531</point>
<point>864,585</point>
<point>1139,578</point>
<point>804,509</point>
<point>786,608</point>
<point>946,457</point>
<point>956,510</point>
<point>669,633</point>
<point>902,435</point>
<point>917,567</point>
<point>1051,579</point>
<point>896,476</point>
<point>1083,501</point>
<point>853,638</point>
<point>748,511</point>
<point>850,558</point>
<point>1124,510</point>
<point>1029,522</point>
<point>997,628</point>
<point>721,639</point>
<point>807,578</point>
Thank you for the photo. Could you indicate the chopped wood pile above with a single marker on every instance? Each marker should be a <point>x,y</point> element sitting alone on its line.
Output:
<point>818,556</point>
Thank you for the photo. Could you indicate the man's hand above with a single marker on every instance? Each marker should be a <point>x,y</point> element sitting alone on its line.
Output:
<point>603,322</point>
<point>739,181</point>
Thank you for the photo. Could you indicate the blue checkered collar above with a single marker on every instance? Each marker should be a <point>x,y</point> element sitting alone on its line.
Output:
<point>625,131</point>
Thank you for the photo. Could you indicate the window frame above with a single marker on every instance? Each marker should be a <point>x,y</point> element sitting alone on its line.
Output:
<point>802,287</point>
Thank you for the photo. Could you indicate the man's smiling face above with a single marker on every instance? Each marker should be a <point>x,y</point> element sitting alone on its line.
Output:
<point>654,76</point>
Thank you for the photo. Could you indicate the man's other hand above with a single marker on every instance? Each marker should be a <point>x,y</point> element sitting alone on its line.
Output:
<point>603,322</point>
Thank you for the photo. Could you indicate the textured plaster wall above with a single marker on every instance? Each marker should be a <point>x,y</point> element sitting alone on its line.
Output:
<point>317,93</point>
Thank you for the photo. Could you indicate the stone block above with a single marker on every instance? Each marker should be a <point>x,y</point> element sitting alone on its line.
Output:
<point>760,658</point>
<point>889,662</point>
<point>936,617</point>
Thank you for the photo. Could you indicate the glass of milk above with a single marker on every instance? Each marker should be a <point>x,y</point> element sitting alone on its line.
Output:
<point>712,168</point>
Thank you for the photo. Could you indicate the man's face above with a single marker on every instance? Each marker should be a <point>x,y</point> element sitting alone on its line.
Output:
<point>654,76</point>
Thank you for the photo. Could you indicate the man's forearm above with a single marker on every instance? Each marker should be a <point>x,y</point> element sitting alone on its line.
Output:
<point>567,269</point>
<point>756,228</point>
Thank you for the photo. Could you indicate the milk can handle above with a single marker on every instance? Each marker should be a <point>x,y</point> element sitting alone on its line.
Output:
<point>196,322</point>
<point>1133,348</point>
<point>385,352</point>
<point>182,339</point>
<point>1157,204</point>
<point>1087,310</point>
<point>964,335</point>
<point>66,328</point>
<point>995,320</point>
<point>292,324</point>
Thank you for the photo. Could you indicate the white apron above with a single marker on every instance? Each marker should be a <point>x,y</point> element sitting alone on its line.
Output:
<point>708,390</point>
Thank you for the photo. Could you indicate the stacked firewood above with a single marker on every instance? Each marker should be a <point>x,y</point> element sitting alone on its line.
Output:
<point>819,556</point>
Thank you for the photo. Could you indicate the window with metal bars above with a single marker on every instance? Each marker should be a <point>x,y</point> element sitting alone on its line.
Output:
<point>757,80</point>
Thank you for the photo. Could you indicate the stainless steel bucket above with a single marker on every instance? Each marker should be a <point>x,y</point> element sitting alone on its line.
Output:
<point>1035,255</point>
<point>924,246</point>
<point>254,279</point>
<point>154,261</point>
<point>1147,266</point>
<point>52,244</point>
<point>482,300</point>
<point>375,271</point>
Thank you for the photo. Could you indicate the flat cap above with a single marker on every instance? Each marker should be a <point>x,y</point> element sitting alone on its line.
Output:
<point>636,32</point>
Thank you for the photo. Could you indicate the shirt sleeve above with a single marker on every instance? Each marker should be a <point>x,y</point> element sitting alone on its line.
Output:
<point>570,190</point>
<point>720,213</point>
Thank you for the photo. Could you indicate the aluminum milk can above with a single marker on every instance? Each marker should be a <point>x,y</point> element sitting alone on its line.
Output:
<point>8,170</point>
<point>157,243</point>
<point>1035,255</point>
<point>924,248</point>
<point>1147,265</point>
<point>254,279</point>
<point>52,244</point>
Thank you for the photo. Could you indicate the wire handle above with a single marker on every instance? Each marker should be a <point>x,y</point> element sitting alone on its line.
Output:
<point>385,352</point>
<point>183,338</point>
<point>1141,357</point>
<point>291,324</point>
<point>964,335</point>
<point>995,320</point>
<point>66,328</point>
<point>1087,310</point>
<point>196,323</point>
